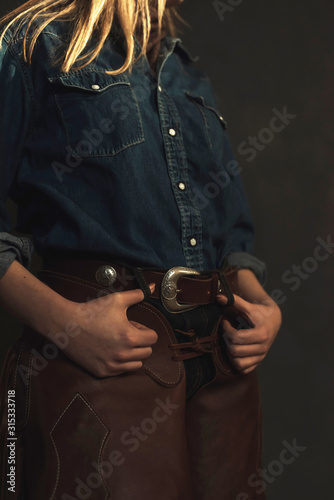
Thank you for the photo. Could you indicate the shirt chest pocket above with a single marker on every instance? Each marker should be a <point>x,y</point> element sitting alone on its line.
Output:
<point>99,112</point>
<point>210,120</point>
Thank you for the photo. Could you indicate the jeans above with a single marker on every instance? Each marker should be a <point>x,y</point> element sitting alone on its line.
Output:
<point>199,370</point>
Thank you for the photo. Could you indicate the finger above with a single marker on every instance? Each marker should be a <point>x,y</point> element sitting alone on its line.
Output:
<point>227,327</point>
<point>239,303</point>
<point>137,354</point>
<point>222,299</point>
<point>246,351</point>
<point>128,367</point>
<point>131,297</point>
<point>249,336</point>
<point>242,364</point>
<point>231,334</point>
<point>245,337</point>
<point>116,369</point>
<point>242,304</point>
<point>249,370</point>
<point>137,325</point>
<point>141,335</point>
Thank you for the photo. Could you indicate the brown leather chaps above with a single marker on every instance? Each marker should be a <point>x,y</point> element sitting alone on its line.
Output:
<point>129,437</point>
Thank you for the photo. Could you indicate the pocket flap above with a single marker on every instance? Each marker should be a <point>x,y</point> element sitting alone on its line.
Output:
<point>159,365</point>
<point>201,101</point>
<point>91,81</point>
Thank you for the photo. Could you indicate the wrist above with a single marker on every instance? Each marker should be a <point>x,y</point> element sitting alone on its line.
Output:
<point>52,316</point>
<point>243,282</point>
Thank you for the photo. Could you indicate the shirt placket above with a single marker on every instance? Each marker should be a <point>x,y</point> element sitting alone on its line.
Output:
<point>190,216</point>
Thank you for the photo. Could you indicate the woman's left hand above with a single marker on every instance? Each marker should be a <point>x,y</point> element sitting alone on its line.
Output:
<point>248,347</point>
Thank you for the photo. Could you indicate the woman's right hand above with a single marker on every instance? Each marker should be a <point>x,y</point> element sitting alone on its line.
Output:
<point>95,334</point>
<point>106,343</point>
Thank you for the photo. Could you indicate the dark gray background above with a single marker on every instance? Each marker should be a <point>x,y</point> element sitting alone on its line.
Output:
<point>265,55</point>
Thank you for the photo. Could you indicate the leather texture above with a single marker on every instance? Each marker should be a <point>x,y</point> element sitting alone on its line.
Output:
<point>201,289</point>
<point>133,436</point>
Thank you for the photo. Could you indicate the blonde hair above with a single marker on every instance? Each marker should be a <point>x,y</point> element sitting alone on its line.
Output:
<point>88,18</point>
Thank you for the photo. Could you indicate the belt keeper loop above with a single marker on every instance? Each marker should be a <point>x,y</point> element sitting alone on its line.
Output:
<point>142,283</point>
<point>222,277</point>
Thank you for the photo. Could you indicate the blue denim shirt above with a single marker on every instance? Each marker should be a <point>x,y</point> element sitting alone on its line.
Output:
<point>137,166</point>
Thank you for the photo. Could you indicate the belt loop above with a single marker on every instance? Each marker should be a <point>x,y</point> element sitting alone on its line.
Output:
<point>142,283</point>
<point>224,282</point>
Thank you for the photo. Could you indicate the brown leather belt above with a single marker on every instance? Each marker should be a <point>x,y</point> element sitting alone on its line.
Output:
<point>179,288</point>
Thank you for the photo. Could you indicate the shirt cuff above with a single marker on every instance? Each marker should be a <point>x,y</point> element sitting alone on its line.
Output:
<point>244,260</point>
<point>14,247</point>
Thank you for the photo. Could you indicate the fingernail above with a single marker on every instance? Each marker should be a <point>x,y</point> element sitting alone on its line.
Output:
<point>222,298</point>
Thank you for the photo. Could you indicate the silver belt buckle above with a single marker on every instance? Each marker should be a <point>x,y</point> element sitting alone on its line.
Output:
<point>169,289</point>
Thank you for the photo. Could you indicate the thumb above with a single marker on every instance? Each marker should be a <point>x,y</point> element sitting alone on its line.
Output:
<point>239,303</point>
<point>135,296</point>
<point>222,299</point>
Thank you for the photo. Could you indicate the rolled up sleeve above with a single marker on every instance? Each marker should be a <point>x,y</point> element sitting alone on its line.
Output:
<point>244,260</point>
<point>14,247</point>
<point>15,116</point>
<point>240,240</point>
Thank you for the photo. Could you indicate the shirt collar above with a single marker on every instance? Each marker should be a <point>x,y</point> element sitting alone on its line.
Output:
<point>169,45</point>
<point>183,51</point>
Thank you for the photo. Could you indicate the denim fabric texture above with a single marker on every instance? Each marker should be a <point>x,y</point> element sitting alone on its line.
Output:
<point>137,166</point>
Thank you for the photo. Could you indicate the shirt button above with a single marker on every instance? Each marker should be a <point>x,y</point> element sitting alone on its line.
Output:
<point>193,242</point>
<point>182,186</point>
<point>96,87</point>
<point>160,88</point>
<point>172,132</point>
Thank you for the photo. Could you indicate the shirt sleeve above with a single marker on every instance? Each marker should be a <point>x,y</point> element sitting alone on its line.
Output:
<point>15,114</point>
<point>244,260</point>
<point>240,239</point>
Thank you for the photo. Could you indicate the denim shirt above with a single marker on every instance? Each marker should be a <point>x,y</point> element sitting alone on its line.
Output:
<point>137,166</point>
